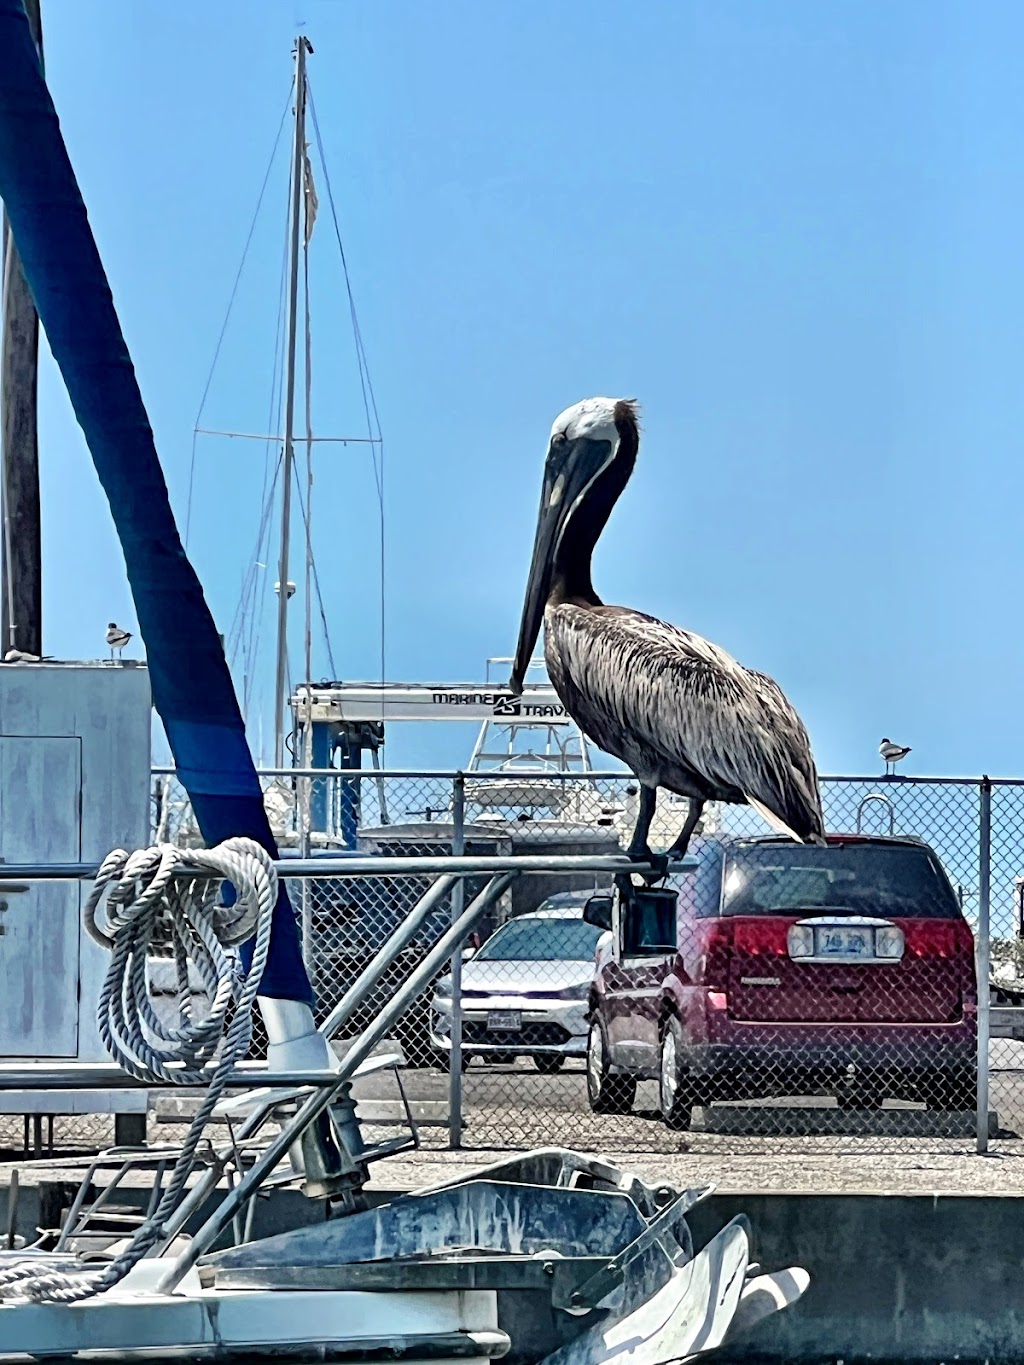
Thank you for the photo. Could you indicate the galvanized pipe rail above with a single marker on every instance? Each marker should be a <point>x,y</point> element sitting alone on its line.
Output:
<point>325,1086</point>
<point>104,1076</point>
<point>316,1103</point>
<point>370,866</point>
<point>99,1076</point>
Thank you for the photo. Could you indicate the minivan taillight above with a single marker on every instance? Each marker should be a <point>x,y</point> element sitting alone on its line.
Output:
<point>964,939</point>
<point>945,941</point>
<point>717,948</point>
<point>761,936</point>
<point>939,938</point>
<point>965,952</point>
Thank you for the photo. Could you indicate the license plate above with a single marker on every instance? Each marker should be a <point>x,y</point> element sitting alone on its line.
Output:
<point>844,942</point>
<point>504,1021</point>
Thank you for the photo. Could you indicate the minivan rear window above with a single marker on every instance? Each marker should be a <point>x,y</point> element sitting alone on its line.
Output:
<point>888,880</point>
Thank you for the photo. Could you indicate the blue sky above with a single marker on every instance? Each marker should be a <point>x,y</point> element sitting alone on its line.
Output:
<point>791,231</point>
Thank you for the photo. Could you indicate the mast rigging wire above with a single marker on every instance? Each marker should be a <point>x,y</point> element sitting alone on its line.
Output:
<point>365,381</point>
<point>231,304</point>
<point>246,629</point>
<point>244,637</point>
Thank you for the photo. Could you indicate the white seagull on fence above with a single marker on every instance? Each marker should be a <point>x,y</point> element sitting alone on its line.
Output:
<point>893,754</point>
<point>117,638</point>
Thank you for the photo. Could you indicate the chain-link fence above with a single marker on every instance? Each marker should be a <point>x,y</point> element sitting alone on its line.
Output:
<point>785,994</point>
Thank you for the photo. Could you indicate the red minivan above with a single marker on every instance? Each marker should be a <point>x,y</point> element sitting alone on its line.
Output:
<point>787,969</point>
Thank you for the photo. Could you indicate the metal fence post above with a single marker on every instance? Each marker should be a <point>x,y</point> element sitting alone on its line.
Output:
<point>303,798</point>
<point>458,897</point>
<point>982,956</point>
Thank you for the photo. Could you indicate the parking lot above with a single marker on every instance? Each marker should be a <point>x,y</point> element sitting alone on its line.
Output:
<point>513,1105</point>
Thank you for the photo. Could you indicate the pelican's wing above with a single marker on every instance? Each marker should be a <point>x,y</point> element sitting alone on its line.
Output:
<point>693,703</point>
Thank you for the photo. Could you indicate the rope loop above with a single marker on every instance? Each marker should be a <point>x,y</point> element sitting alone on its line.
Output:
<point>141,907</point>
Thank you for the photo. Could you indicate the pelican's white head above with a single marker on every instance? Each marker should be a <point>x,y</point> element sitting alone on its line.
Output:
<point>591,419</point>
<point>590,455</point>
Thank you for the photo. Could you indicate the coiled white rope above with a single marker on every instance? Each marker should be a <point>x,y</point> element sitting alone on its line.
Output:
<point>143,905</point>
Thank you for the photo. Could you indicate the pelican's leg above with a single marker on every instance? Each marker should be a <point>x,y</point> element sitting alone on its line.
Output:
<point>639,849</point>
<point>686,833</point>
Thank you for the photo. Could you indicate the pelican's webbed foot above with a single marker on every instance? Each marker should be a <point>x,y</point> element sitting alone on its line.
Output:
<point>659,868</point>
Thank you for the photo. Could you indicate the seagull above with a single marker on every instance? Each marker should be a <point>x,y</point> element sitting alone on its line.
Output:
<point>893,754</point>
<point>117,638</point>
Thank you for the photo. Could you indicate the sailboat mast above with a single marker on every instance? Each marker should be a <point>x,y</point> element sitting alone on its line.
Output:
<point>298,157</point>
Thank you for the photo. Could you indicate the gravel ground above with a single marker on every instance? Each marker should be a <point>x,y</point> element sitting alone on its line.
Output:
<point>809,1166</point>
<point>812,1170</point>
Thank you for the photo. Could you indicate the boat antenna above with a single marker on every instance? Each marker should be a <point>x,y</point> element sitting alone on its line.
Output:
<point>302,46</point>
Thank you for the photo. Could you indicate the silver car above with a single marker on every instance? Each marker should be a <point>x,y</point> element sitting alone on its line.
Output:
<point>525,992</point>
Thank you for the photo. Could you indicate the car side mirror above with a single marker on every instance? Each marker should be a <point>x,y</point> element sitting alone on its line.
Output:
<point>467,953</point>
<point>598,912</point>
<point>648,922</point>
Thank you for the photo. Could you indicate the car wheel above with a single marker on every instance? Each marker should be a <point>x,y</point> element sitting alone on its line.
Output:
<point>674,1088</point>
<point>953,1093</point>
<point>607,1094</point>
<point>861,1095</point>
<point>547,1063</point>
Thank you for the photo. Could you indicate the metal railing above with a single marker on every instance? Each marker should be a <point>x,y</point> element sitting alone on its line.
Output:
<point>363,879</point>
<point>325,1088</point>
<point>976,826</point>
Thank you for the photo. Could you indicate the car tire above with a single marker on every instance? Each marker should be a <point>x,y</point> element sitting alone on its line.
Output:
<point>953,1093</point>
<point>607,1094</point>
<point>861,1096</point>
<point>547,1063</point>
<point>674,1090</point>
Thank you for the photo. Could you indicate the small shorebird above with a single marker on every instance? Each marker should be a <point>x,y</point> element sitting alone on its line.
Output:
<point>893,754</point>
<point>117,638</point>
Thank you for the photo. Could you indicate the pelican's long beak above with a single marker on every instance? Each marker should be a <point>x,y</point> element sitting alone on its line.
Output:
<point>572,466</point>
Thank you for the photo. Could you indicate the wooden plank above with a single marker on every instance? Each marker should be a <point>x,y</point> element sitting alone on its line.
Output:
<point>21,599</point>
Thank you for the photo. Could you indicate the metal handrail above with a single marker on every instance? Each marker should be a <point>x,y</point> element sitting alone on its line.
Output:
<point>385,956</point>
<point>501,870</point>
<point>318,1102</point>
<point>102,1076</point>
<point>368,865</point>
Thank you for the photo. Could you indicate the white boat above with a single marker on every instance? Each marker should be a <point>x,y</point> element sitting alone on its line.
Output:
<point>551,1256</point>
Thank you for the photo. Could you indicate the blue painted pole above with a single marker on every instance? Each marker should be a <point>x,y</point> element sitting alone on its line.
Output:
<point>320,757</point>
<point>351,756</point>
<point>192,688</point>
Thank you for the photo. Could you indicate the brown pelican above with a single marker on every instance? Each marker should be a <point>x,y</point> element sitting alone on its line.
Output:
<point>680,711</point>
